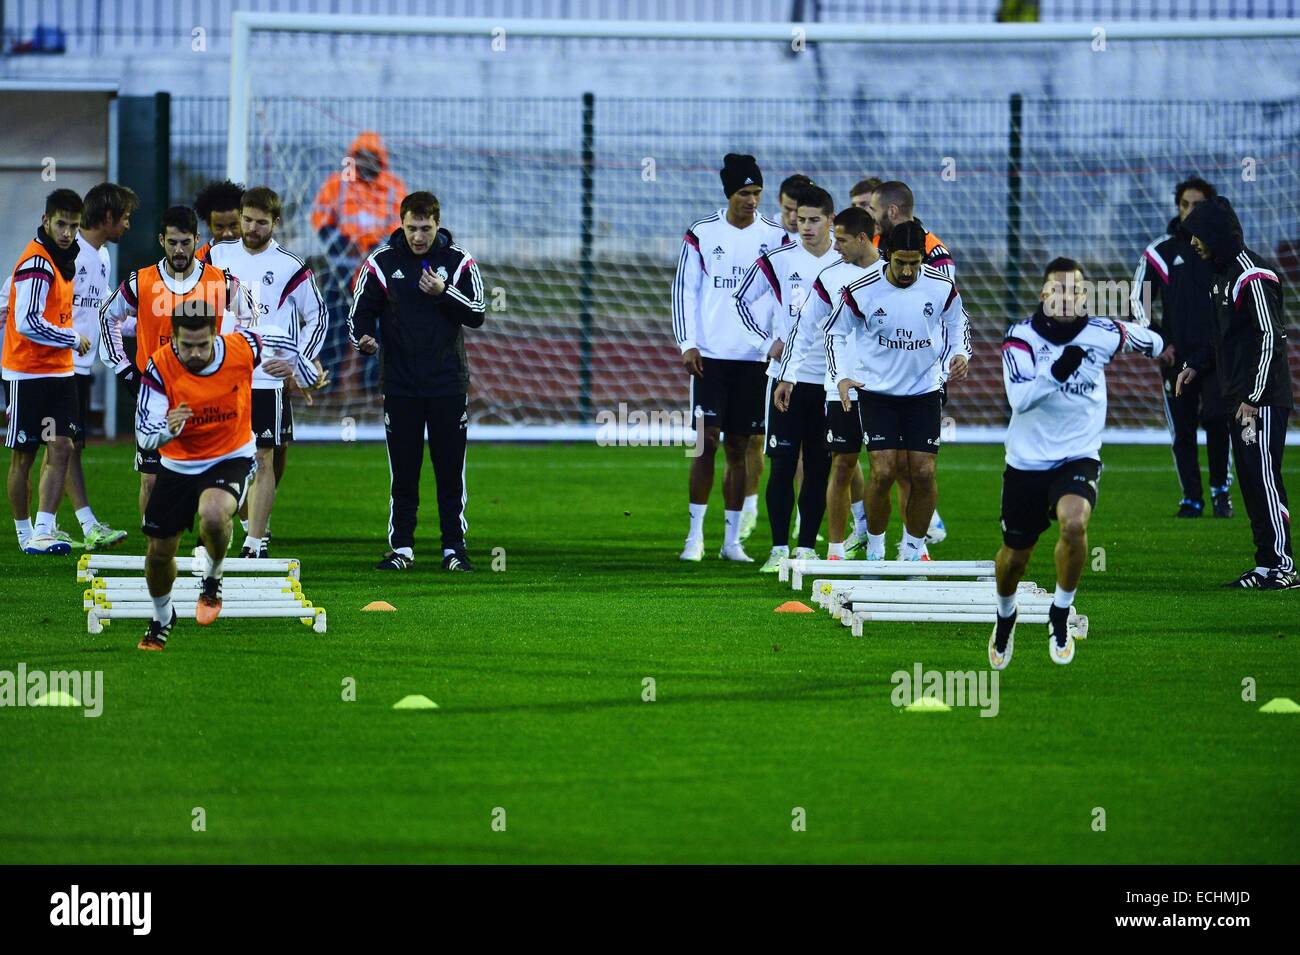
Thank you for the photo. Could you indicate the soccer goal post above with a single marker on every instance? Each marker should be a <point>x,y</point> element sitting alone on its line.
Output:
<point>573,161</point>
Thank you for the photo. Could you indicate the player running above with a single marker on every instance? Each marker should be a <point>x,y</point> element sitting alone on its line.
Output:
<point>144,303</point>
<point>285,298</point>
<point>804,361</point>
<point>909,334</point>
<point>795,425</point>
<point>37,367</point>
<point>1053,367</point>
<point>195,409</point>
<point>728,374</point>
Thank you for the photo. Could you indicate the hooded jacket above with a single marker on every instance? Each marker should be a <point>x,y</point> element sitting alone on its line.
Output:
<point>1249,328</point>
<point>421,345</point>
<point>1182,282</point>
<point>355,211</point>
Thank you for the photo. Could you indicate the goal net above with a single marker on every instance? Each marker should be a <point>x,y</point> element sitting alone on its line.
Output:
<point>571,167</point>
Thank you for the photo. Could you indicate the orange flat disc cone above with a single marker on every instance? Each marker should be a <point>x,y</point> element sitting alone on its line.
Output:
<point>793,606</point>
<point>379,605</point>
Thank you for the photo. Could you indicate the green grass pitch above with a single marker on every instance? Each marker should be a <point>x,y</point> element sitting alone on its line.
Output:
<point>538,673</point>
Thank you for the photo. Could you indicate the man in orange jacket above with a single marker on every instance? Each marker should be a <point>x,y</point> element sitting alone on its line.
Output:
<point>356,209</point>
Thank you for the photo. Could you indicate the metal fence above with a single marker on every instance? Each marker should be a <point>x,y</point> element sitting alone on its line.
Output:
<point>1008,184</point>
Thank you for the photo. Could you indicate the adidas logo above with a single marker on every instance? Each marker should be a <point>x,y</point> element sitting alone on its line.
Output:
<point>398,274</point>
<point>878,313</point>
<point>81,271</point>
<point>266,433</point>
<point>1044,351</point>
<point>796,277</point>
<point>719,250</point>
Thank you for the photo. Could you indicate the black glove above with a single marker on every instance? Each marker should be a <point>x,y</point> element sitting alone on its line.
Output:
<point>1068,363</point>
<point>130,377</point>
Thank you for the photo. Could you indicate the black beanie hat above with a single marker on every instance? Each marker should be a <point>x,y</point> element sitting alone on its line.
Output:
<point>739,171</point>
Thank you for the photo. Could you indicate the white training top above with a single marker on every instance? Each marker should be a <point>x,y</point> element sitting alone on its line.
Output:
<point>904,339</point>
<point>804,358</point>
<point>284,294</point>
<point>714,259</point>
<point>782,277</point>
<point>90,286</point>
<point>1054,422</point>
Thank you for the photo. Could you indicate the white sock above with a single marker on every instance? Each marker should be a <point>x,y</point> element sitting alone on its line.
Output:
<point>24,530</point>
<point>162,608</point>
<point>406,552</point>
<point>218,564</point>
<point>1262,571</point>
<point>1006,606</point>
<point>253,543</point>
<point>859,516</point>
<point>913,547</point>
<point>86,517</point>
<point>244,525</point>
<point>44,523</point>
<point>697,522</point>
<point>1063,598</point>
<point>875,545</point>
<point>781,551</point>
<point>448,551</point>
<point>835,549</point>
<point>751,504</point>
<point>733,528</point>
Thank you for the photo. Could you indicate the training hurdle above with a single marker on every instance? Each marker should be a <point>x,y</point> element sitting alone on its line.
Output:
<point>196,565</point>
<point>856,592</point>
<point>99,618</point>
<point>250,588</point>
<point>1077,623</point>
<point>795,570</point>
<point>825,592</point>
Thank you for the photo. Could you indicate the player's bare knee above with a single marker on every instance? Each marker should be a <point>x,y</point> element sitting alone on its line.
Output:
<point>1074,527</point>
<point>920,468</point>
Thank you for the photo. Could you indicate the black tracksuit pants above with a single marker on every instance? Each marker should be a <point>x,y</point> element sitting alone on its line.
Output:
<point>1200,403</point>
<point>1258,456</point>
<point>406,422</point>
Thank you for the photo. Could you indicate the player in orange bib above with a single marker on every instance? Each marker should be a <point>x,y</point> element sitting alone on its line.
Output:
<point>143,305</point>
<point>39,342</point>
<point>195,408</point>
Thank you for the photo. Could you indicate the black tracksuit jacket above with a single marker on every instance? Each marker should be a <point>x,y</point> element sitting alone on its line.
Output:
<point>422,347</point>
<point>1249,331</point>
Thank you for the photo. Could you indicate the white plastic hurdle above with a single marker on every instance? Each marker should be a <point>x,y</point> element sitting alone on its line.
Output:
<point>249,598</point>
<point>194,584</point>
<point>1077,623</point>
<point>89,563</point>
<point>847,610</point>
<point>247,591</point>
<point>826,592</point>
<point>314,617</point>
<point>795,570</point>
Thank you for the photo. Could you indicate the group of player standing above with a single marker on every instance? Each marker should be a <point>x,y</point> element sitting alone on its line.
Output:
<point>829,331</point>
<point>212,417</point>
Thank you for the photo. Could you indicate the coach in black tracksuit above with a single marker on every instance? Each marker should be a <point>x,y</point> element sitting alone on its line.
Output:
<point>1183,281</point>
<point>1250,355</point>
<point>418,292</point>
